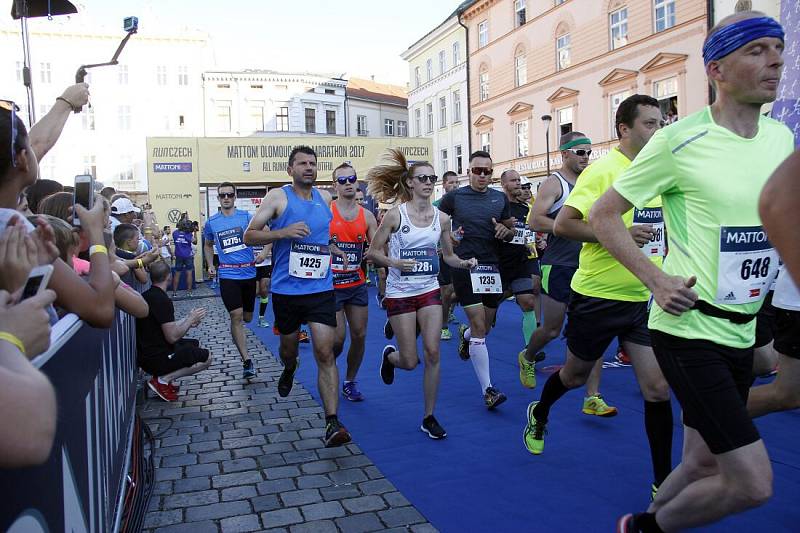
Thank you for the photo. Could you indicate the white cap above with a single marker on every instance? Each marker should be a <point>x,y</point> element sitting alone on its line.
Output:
<point>123,205</point>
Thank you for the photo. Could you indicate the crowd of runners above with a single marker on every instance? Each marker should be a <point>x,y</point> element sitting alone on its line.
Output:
<point>658,245</point>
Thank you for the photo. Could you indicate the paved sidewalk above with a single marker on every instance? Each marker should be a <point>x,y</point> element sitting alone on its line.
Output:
<point>233,456</point>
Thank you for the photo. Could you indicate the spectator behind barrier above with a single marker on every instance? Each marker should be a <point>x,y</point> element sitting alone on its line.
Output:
<point>93,301</point>
<point>162,351</point>
<point>108,193</point>
<point>123,211</point>
<point>40,190</point>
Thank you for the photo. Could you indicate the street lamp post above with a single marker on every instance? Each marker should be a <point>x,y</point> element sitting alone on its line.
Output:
<point>547,119</point>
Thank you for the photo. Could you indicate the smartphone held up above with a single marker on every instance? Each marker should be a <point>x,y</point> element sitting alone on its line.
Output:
<point>83,194</point>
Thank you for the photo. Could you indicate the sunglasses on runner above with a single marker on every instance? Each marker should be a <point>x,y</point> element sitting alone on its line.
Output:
<point>580,152</point>
<point>227,195</point>
<point>427,178</point>
<point>13,108</point>
<point>346,179</point>
<point>526,186</point>
<point>480,171</point>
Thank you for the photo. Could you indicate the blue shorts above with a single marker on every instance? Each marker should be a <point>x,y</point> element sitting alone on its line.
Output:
<point>351,296</point>
<point>556,281</point>
<point>184,263</point>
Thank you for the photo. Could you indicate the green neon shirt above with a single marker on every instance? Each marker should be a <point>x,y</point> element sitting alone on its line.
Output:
<point>599,274</point>
<point>710,180</point>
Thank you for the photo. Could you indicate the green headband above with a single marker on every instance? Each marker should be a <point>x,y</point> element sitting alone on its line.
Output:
<point>575,142</point>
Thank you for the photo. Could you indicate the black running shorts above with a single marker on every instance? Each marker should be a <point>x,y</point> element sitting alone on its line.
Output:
<point>462,285</point>
<point>263,272</point>
<point>712,383</point>
<point>238,294</point>
<point>556,280</point>
<point>187,353</point>
<point>516,276</point>
<point>293,310</point>
<point>787,333</point>
<point>592,323</point>
<point>765,322</point>
<point>445,276</point>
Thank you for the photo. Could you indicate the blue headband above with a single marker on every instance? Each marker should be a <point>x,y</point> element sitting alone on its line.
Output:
<point>734,36</point>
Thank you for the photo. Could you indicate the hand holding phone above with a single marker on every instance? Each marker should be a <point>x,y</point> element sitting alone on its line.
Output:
<point>37,281</point>
<point>83,195</point>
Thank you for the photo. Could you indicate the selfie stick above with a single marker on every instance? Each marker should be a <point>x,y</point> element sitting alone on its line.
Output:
<point>131,27</point>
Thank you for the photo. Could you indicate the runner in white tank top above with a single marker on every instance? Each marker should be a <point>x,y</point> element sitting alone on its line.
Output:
<point>412,230</point>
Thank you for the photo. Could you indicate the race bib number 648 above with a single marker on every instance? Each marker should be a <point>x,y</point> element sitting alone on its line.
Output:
<point>747,265</point>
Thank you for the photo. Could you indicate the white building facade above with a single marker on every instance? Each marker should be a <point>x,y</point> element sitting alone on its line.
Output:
<point>437,100</point>
<point>156,90</point>
<point>260,102</point>
<point>376,109</point>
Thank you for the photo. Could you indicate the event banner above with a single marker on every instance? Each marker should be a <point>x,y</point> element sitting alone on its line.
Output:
<point>787,106</point>
<point>80,487</point>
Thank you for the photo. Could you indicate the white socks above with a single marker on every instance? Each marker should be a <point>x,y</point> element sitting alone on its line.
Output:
<point>479,355</point>
<point>467,334</point>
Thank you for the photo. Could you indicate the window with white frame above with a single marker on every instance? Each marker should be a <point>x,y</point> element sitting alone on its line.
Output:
<point>124,117</point>
<point>486,142</point>
<point>45,74</point>
<point>417,80</point>
<point>255,117</point>
<point>125,168</point>
<point>361,125</point>
<point>483,34</point>
<point>521,130</point>
<point>483,86</point>
<point>456,53</point>
<point>122,75</point>
<point>666,92</point>
<point>90,165</point>
<point>311,120</point>
<point>330,121</point>
<point>564,120</point>
<point>429,116</point>
<point>161,75</point>
<point>402,128</point>
<point>418,122</point>
<point>429,69</point>
<point>443,158</point>
<point>459,163</point>
<point>223,116</point>
<point>442,61</point>
<point>616,100</point>
<point>520,68</point>
<point>563,55</point>
<point>388,127</point>
<point>282,119</point>
<point>183,76</point>
<point>664,14</point>
<point>618,23</point>
<point>456,106</point>
<point>519,13</point>
<point>442,111</point>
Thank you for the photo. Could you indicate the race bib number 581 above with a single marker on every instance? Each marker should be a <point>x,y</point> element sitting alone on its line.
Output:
<point>747,265</point>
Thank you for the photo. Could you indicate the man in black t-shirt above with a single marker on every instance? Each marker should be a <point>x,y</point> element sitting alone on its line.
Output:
<point>161,349</point>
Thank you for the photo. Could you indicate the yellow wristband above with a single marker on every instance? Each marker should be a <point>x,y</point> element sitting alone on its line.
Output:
<point>13,339</point>
<point>98,249</point>
<point>139,262</point>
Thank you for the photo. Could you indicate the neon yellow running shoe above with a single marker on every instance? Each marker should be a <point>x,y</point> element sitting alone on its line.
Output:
<point>534,432</point>
<point>527,371</point>
<point>446,336</point>
<point>653,491</point>
<point>596,405</point>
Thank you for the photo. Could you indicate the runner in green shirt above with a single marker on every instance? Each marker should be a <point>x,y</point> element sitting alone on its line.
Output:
<point>607,301</point>
<point>708,169</point>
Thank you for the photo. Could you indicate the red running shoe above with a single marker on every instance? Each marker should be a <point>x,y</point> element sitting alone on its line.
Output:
<point>163,390</point>
<point>622,358</point>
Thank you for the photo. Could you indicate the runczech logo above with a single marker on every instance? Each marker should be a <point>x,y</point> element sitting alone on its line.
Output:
<point>405,229</point>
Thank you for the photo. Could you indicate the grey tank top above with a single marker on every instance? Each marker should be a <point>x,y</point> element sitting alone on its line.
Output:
<point>561,251</point>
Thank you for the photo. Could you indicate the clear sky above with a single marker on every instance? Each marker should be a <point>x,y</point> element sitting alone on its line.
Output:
<point>357,37</point>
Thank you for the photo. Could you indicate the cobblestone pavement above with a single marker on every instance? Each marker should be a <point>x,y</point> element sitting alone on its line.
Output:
<point>234,456</point>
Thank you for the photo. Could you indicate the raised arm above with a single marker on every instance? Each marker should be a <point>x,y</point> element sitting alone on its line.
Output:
<point>47,130</point>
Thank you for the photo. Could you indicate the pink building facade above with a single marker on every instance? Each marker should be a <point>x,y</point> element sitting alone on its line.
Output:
<point>576,60</point>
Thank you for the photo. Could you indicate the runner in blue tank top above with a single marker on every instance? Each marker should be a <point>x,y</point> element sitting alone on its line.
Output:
<point>299,219</point>
<point>237,271</point>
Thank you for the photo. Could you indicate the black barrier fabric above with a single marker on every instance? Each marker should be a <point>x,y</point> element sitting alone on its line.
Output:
<point>79,487</point>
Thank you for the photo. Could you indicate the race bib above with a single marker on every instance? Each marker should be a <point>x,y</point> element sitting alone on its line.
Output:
<point>231,240</point>
<point>520,233</point>
<point>747,265</point>
<point>427,261</point>
<point>354,252</point>
<point>654,217</point>
<point>486,280</point>
<point>309,261</point>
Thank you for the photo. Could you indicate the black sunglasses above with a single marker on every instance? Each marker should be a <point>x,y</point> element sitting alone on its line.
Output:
<point>346,179</point>
<point>227,195</point>
<point>526,186</point>
<point>427,178</point>
<point>13,108</point>
<point>580,152</point>
<point>480,171</point>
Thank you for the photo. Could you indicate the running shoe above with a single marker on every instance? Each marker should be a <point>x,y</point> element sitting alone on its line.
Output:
<point>286,380</point>
<point>174,294</point>
<point>336,434</point>
<point>463,344</point>
<point>351,392</point>
<point>275,331</point>
<point>653,491</point>
<point>596,405</point>
<point>303,337</point>
<point>446,335</point>
<point>539,357</point>
<point>388,331</point>
<point>452,318</point>
<point>380,299</point>
<point>626,524</point>
<point>174,388</point>
<point>493,397</point>
<point>387,368</point>
<point>162,390</point>
<point>431,426</point>
<point>262,322</point>
<point>248,370</point>
<point>527,371</point>
<point>622,358</point>
<point>534,432</point>
<point>189,294</point>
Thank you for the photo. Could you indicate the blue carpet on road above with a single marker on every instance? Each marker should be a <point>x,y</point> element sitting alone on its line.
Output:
<point>481,477</point>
